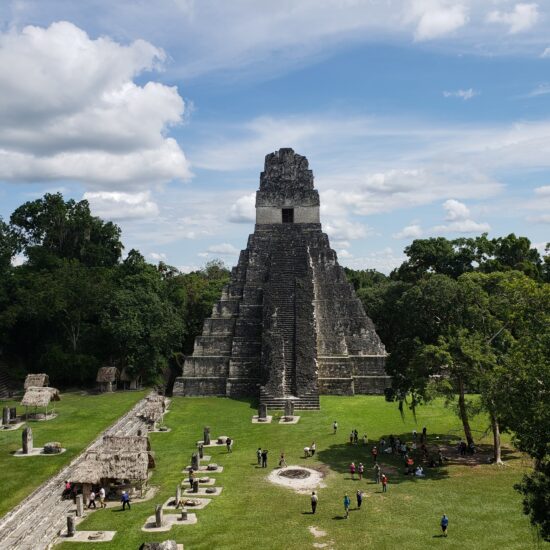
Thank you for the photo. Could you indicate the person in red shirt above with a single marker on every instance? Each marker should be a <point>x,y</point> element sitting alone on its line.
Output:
<point>374,453</point>
<point>384,483</point>
<point>352,470</point>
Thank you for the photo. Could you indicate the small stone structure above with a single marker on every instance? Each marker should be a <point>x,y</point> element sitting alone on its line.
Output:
<point>289,408</point>
<point>158,515</point>
<point>27,440</point>
<point>206,435</point>
<point>6,416</point>
<point>262,411</point>
<point>71,528</point>
<point>195,461</point>
<point>289,323</point>
<point>107,378</point>
<point>79,506</point>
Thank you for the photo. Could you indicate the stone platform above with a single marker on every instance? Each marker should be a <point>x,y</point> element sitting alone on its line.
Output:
<point>36,452</point>
<point>88,536</point>
<point>168,521</point>
<point>256,420</point>
<point>294,420</point>
<point>169,505</point>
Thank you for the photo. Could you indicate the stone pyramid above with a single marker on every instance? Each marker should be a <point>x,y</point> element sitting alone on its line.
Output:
<point>288,325</point>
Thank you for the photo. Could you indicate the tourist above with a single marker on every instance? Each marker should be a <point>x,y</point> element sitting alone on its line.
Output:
<point>384,480</point>
<point>360,470</point>
<point>314,501</point>
<point>471,448</point>
<point>335,427</point>
<point>377,473</point>
<point>365,439</point>
<point>424,434</point>
<point>382,443</point>
<point>306,452</point>
<point>359,496</point>
<point>282,461</point>
<point>439,457</point>
<point>264,458</point>
<point>419,472</point>
<point>415,435</point>
<point>444,524</point>
<point>229,444</point>
<point>347,503</point>
<point>351,437</point>
<point>352,470</point>
<point>91,501</point>
<point>374,453</point>
<point>125,499</point>
<point>355,437</point>
<point>312,448</point>
<point>67,490</point>
<point>102,502</point>
<point>259,456</point>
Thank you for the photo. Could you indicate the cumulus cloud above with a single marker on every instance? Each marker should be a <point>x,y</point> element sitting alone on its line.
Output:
<point>521,18</point>
<point>543,191</point>
<point>413,231</point>
<point>438,19</point>
<point>243,209</point>
<point>461,94</point>
<point>384,260</point>
<point>71,110</point>
<point>541,89</point>
<point>224,249</point>
<point>546,52</point>
<point>459,220</point>
<point>340,228</point>
<point>115,205</point>
<point>158,256</point>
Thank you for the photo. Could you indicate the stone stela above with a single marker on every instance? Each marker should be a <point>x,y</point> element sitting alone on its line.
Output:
<point>288,325</point>
<point>27,440</point>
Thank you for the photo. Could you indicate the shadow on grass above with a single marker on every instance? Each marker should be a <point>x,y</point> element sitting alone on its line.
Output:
<point>339,456</point>
<point>253,402</point>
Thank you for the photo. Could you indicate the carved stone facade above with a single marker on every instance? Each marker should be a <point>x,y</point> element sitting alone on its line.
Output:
<point>288,324</point>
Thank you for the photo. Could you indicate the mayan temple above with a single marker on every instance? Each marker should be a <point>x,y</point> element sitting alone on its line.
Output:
<point>288,325</point>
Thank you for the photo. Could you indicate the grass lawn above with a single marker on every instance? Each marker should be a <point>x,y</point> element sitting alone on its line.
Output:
<point>80,420</point>
<point>484,510</point>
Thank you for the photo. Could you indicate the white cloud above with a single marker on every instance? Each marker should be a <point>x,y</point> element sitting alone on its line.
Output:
<point>458,216</point>
<point>157,256</point>
<point>522,18</point>
<point>71,110</point>
<point>543,191</point>
<point>115,205</point>
<point>438,19</point>
<point>225,249</point>
<point>546,52</point>
<point>343,253</point>
<point>413,231</point>
<point>462,94</point>
<point>544,218</point>
<point>541,89</point>
<point>384,260</point>
<point>456,210</point>
<point>243,209</point>
<point>340,228</point>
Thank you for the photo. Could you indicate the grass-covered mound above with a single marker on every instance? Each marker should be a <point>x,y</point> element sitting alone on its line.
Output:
<point>80,419</point>
<point>251,513</point>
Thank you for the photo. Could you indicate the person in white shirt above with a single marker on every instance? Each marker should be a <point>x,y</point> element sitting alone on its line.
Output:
<point>102,498</point>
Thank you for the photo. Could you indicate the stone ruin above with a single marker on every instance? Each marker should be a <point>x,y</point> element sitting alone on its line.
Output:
<point>288,325</point>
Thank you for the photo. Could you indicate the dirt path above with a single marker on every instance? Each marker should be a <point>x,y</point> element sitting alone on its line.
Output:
<point>35,523</point>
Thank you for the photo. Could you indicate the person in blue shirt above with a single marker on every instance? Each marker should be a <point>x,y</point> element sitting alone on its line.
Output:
<point>125,499</point>
<point>444,524</point>
<point>347,503</point>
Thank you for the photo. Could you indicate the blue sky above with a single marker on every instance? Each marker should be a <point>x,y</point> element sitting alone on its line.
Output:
<point>419,117</point>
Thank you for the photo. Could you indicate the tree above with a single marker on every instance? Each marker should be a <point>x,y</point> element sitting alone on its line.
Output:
<point>51,228</point>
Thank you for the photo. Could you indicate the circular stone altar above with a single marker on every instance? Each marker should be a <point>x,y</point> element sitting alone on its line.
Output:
<point>299,478</point>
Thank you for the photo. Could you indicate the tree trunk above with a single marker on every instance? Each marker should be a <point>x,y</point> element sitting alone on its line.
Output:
<point>496,440</point>
<point>464,413</point>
